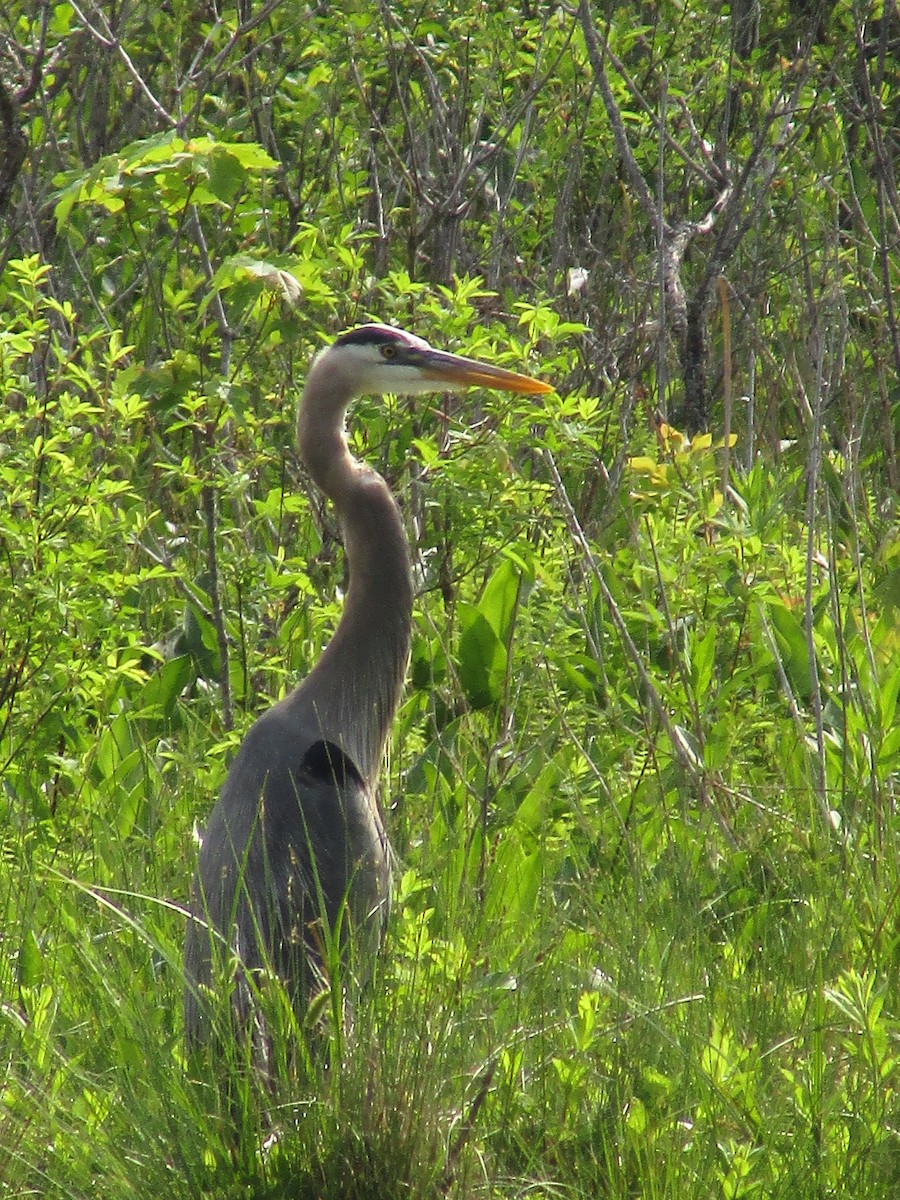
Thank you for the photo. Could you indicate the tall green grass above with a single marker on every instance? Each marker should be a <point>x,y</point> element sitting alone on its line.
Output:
<point>643,791</point>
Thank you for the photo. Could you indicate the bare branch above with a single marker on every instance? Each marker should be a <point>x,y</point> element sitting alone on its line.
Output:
<point>13,144</point>
<point>226,333</point>
<point>707,170</point>
<point>595,54</point>
<point>106,37</point>
<point>210,505</point>
<point>198,77</point>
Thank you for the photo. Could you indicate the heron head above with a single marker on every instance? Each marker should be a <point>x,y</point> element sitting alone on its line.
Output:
<point>379,358</point>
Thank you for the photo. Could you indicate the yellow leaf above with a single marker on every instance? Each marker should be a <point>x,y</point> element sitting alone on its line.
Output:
<point>672,439</point>
<point>643,465</point>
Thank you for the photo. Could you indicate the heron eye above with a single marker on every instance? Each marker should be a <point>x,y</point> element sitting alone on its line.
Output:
<point>388,351</point>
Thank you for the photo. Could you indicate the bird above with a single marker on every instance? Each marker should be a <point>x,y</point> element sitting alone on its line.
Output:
<point>295,848</point>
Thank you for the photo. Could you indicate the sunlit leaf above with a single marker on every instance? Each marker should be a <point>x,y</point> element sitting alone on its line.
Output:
<point>482,658</point>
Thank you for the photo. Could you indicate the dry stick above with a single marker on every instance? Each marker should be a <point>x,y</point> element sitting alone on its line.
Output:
<point>886,183</point>
<point>850,491</point>
<point>42,63</point>
<point>465,1130</point>
<point>726,381</point>
<point>517,113</point>
<point>847,672</point>
<point>208,494</point>
<point>678,657</point>
<point>160,556</point>
<point>707,169</point>
<point>812,484</point>
<point>226,333</point>
<point>585,755</point>
<point>13,144</point>
<point>595,54</point>
<point>208,498</point>
<point>874,118</point>
<point>661,346</point>
<point>502,740</point>
<point>751,406</point>
<point>740,195</point>
<point>856,541</point>
<point>793,708</point>
<point>246,26</point>
<point>108,38</point>
<point>679,743</point>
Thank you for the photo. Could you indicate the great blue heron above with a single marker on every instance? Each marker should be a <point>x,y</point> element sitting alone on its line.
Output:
<point>295,845</point>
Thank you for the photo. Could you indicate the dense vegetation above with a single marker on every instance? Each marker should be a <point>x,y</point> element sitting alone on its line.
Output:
<point>644,782</point>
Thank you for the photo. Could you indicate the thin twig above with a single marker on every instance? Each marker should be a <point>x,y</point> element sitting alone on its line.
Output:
<point>465,1130</point>
<point>812,484</point>
<point>687,758</point>
<point>226,333</point>
<point>107,38</point>
<point>208,499</point>
<point>661,373</point>
<point>726,382</point>
<point>595,54</point>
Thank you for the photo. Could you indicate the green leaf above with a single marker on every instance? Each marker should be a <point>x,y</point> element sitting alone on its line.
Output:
<point>890,749</point>
<point>516,878</point>
<point>159,694</point>
<point>226,175</point>
<point>791,641</point>
<point>499,598</point>
<point>31,961</point>
<point>702,659</point>
<point>482,658</point>
<point>888,698</point>
<point>117,752</point>
<point>428,664</point>
<point>201,642</point>
<point>250,155</point>
<point>532,812</point>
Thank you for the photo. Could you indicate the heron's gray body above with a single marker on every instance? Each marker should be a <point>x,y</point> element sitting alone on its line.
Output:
<point>294,837</point>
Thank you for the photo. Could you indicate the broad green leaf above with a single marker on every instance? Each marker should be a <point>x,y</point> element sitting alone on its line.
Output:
<point>499,598</point>
<point>115,747</point>
<point>643,464</point>
<point>226,175</point>
<point>31,962</point>
<point>888,698</point>
<point>516,877</point>
<point>532,812</point>
<point>428,664</point>
<point>160,693</point>
<point>889,752</point>
<point>250,155</point>
<point>482,658</point>
<point>201,642</point>
<point>702,659</point>
<point>791,641</point>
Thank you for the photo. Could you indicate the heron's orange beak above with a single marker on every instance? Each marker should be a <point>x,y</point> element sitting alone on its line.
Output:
<point>457,371</point>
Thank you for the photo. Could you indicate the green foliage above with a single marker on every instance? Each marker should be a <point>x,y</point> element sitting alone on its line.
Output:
<point>644,780</point>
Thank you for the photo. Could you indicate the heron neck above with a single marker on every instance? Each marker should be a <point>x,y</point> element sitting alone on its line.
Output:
<point>355,688</point>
